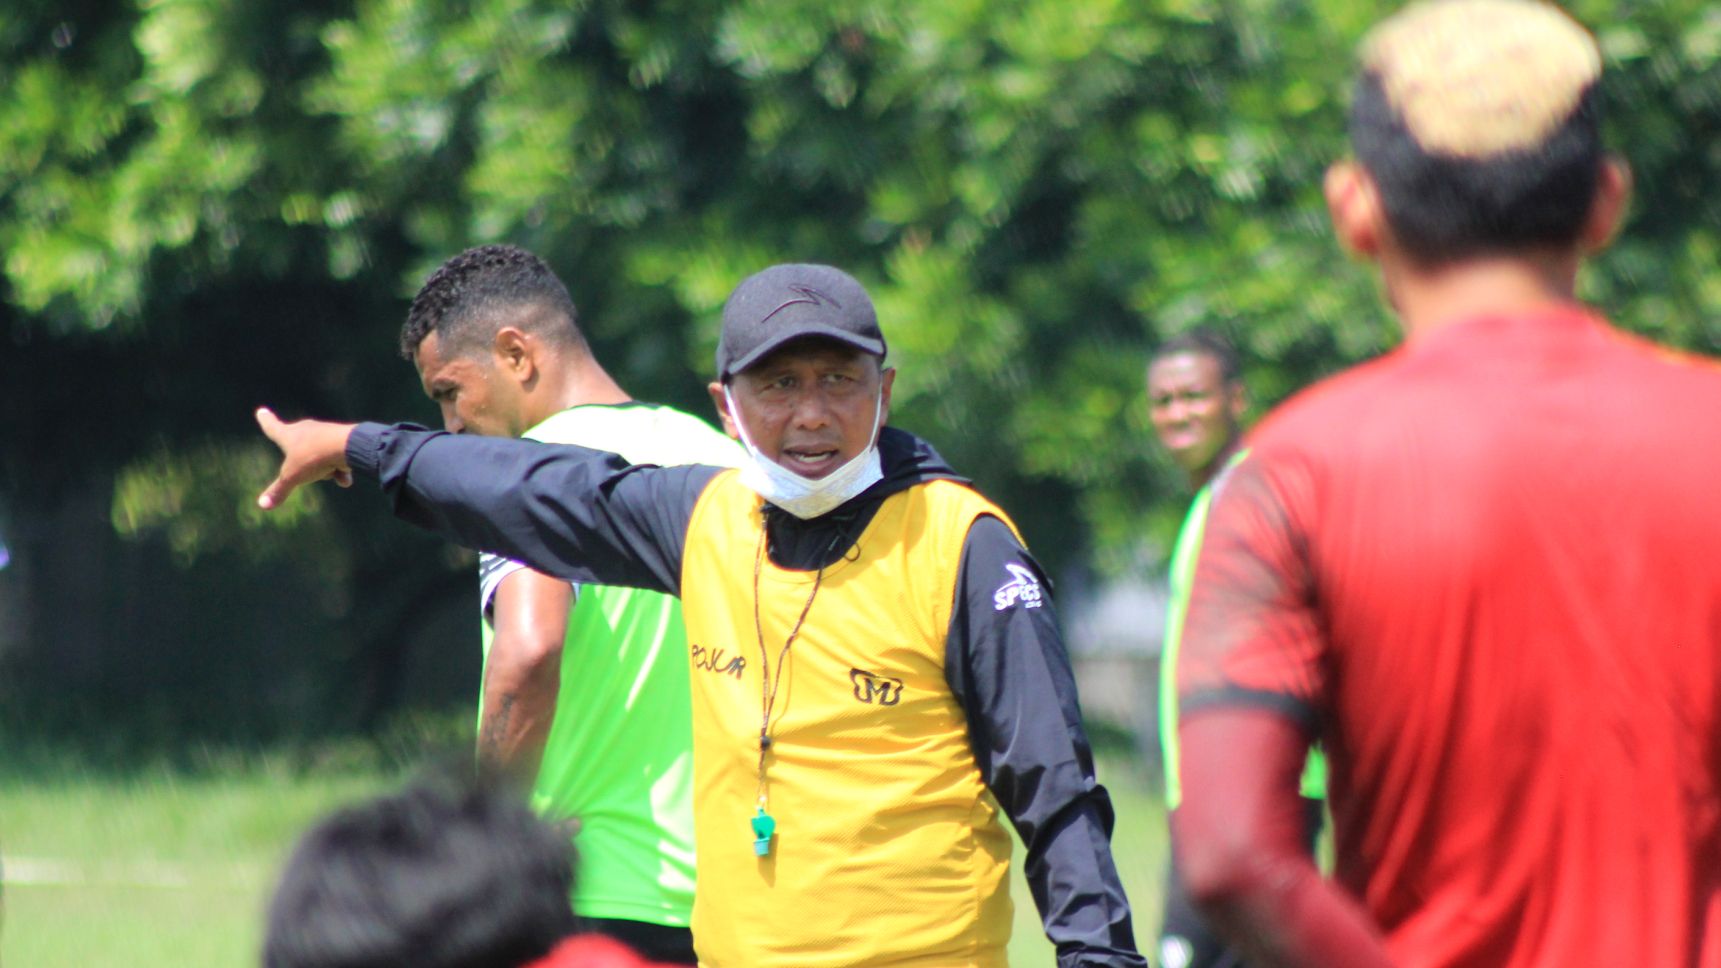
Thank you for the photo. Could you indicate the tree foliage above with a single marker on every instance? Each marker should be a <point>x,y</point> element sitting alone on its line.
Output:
<point>210,204</point>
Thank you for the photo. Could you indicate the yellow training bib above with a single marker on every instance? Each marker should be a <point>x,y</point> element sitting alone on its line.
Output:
<point>887,846</point>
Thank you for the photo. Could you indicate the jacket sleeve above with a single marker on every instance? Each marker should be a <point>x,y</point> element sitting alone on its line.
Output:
<point>578,514</point>
<point>1007,666</point>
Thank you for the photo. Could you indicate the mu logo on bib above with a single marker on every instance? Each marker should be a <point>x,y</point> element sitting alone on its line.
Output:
<point>874,689</point>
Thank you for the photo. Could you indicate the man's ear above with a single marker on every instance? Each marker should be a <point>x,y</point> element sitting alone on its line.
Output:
<point>1237,400</point>
<point>721,402</point>
<point>516,353</point>
<point>888,378</point>
<point>1608,208</point>
<point>1353,201</point>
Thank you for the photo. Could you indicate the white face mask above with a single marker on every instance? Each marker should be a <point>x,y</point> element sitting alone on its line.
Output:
<point>808,497</point>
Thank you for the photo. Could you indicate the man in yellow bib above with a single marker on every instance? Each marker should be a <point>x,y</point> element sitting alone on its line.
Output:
<point>877,671</point>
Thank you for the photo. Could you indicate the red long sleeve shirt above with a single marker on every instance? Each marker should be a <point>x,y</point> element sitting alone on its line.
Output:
<point>1485,571</point>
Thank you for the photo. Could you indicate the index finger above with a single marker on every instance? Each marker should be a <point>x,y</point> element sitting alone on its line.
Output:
<point>275,493</point>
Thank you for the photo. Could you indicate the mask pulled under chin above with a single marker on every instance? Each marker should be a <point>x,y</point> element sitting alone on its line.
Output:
<point>807,497</point>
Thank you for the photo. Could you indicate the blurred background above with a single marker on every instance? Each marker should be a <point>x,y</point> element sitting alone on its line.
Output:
<point>208,205</point>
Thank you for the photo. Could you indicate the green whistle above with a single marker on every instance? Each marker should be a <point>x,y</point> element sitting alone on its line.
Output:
<point>763,826</point>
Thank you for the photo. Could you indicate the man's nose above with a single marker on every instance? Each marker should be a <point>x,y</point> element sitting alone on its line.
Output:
<point>812,410</point>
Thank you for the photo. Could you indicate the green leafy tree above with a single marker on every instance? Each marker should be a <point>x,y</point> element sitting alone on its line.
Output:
<point>210,204</point>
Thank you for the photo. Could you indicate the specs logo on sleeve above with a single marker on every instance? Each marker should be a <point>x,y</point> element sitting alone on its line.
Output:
<point>1022,587</point>
<point>874,689</point>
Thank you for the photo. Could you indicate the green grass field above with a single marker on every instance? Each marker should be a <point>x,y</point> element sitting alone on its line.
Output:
<point>158,869</point>
<point>171,869</point>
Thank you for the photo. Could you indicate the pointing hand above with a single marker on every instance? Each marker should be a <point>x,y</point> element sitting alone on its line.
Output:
<point>311,450</point>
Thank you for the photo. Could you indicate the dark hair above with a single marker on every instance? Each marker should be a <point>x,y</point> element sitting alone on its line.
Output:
<point>1204,342</point>
<point>1445,207</point>
<point>467,290</point>
<point>446,874</point>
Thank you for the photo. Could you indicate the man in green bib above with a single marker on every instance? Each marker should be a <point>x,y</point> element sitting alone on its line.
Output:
<point>878,678</point>
<point>1196,402</point>
<point>585,699</point>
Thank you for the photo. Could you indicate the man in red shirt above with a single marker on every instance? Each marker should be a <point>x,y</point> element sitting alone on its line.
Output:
<point>1484,570</point>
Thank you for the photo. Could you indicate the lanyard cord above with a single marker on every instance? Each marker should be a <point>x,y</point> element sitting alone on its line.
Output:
<point>769,681</point>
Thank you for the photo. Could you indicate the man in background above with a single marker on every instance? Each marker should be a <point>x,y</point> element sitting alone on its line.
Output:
<point>1481,570</point>
<point>585,694</point>
<point>1196,402</point>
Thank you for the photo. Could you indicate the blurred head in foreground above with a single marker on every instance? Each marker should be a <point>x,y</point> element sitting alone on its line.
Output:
<point>445,874</point>
<point>1475,127</point>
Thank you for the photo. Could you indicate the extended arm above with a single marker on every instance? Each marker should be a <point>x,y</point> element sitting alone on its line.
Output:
<point>578,514</point>
<point>1008,667</point>
<point>523,672</point>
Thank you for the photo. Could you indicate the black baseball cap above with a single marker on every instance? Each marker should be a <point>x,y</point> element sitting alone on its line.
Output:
<point>792,301</point>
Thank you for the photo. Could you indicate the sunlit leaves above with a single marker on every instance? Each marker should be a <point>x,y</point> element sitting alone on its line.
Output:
<point>203,500</point>
<point>1036,191</point>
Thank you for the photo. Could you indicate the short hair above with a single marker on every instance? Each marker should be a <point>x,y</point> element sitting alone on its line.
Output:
<point>445,874</point>
<point>1202,342</point>
<point>460,300</point>
<point>1482,135</point>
